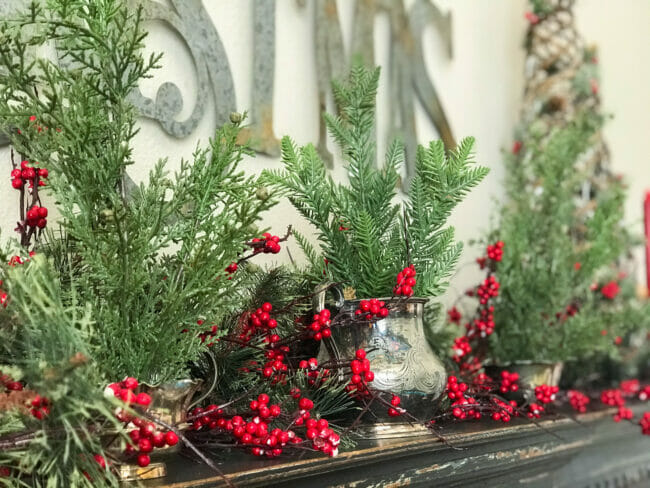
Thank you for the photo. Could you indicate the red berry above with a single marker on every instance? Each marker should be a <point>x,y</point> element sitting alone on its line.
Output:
<point>143,460</point>
<point>171,439</point>
<point>145,445</point>
<point>17,183</point>
<point>263,398</point>
<point>158,439</point>
<point>305,404</point>
<point>143,399</point>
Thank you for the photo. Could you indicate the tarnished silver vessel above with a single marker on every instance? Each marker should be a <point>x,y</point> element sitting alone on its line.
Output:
<point>399,354</point>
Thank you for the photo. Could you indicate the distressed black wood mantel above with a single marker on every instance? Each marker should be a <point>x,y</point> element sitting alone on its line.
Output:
<point>591,451</point>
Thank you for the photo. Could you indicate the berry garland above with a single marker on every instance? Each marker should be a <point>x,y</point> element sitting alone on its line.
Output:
<point>479,394</point>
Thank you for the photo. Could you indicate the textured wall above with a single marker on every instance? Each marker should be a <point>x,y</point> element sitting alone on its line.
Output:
<point>480,90</point>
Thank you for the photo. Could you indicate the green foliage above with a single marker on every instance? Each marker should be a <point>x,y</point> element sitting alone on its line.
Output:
<point>544,239</point>
<point>365,237</point>
<point>147,261</point>
<point>46,341</point>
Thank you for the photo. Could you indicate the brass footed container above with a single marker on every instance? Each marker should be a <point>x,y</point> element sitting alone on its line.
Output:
<point>400,357</point>
<point>170,403</point>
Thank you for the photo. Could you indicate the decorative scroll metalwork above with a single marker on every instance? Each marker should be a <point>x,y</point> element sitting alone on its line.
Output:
<point>192,23</point>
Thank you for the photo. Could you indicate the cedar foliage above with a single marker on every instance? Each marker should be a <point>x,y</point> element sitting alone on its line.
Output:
<point>365,237</point>
<point>147,260</point>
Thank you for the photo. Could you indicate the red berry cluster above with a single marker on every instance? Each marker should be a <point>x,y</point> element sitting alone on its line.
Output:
<point>40,407</point>
<point>509,382</point>
<point>313,372</point>
<point>37,217</point>
<point>257,434</point>
<point>275,367</point>
<point>463,407</point>
<point>210,417</point>
<point>535,411</point>
<point>395,410</point>
<point>259,320</point>
<point>145,437</point>
<point>231,268</point>
<point>461,348</point>
<point>483,325</point>
<point>323,438</point>
<point>610,290</point>
<point>9,384</point>
<point>495,251</point>
<point>207,335</point>
<point>613,398</point>
<point>645,423</point>
<point>504,411</point>
<point>27,173</point>
<point>644,393</point>
<point>482,382</point>
<point>454,316</point>
<point>630,387</point>
<point>546,393</point>
<point>125,391</point>
<point>372,308</point>
<point>361,375</point>
<point>623,413</point>
<point>267,244</point>
<point>405,282</point>
<point>488,289</point>
<point>578,400</point>
<point>320,326</point>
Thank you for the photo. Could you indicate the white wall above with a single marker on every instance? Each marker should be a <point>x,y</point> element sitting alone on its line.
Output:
<point>480,90</point>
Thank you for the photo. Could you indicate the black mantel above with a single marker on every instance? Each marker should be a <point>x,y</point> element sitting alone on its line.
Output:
<point>590,451</point>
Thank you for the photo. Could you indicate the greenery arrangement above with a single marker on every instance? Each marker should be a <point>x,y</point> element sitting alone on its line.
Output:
<point>123,287</point>
<point>365,237</point>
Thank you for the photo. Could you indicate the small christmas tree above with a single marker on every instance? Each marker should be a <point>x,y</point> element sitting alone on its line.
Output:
<point>365,237</point>
<point>545,309</point>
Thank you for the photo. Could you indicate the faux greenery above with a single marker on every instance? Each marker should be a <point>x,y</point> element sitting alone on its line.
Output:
<point>365,236</point>
<point>550,261</point>
<point>147,261</point>
<point>45,343</point>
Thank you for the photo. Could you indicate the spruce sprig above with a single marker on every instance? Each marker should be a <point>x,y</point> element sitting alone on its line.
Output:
<point>365,236</point>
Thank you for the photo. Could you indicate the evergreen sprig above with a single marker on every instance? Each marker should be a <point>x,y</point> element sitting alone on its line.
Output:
<point>46,341</point>
<point>147,260</point>
<point>365,237</point>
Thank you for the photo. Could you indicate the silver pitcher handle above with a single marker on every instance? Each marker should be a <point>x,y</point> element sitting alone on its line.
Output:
<point>207,393</point>
<point>318,304</point>
<point>320,293</point>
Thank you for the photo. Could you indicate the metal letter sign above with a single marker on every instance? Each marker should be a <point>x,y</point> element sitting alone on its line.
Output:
<point>406,70</point>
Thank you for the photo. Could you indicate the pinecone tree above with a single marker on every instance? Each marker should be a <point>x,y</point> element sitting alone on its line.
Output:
<point>562,82</point>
